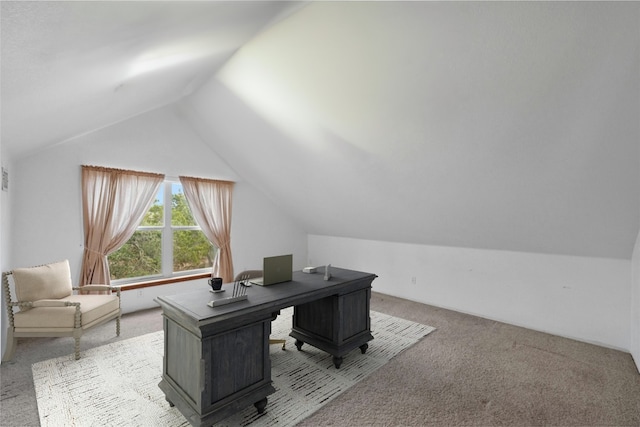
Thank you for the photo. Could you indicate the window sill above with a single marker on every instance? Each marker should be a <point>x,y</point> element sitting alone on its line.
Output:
<point>163,281</point>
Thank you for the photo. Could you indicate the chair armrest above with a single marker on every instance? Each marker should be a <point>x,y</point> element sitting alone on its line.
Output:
<point>53,303</point>
<point>21,304</point>
<point>98,288</point>
<point>45,303</point>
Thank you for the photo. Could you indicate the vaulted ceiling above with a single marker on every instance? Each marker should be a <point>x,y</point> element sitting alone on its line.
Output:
<point>70,68</point>
<point>502,125</point>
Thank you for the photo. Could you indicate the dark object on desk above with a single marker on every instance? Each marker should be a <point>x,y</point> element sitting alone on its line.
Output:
<point>216,360</point>
<point>215,283</point>
<point>239,292</point>
<point>275,269</point>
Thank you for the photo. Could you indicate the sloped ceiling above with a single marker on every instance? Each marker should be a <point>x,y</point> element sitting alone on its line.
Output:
<point>502,125</point>
<point>70,67</point>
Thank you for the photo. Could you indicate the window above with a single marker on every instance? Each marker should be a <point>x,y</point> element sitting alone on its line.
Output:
<point>167,243</point>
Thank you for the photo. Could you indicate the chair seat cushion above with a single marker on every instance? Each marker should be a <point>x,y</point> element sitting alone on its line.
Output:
<point>92,307</point>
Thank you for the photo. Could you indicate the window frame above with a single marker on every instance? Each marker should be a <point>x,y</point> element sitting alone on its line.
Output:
<point>167,274</point>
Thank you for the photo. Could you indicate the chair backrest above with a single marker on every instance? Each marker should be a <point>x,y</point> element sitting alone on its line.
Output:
<point>250,274</point>
<point>9,291</point>
<point>49,281</point>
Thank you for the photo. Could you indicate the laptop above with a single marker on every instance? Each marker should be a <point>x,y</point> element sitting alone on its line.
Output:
<point>275,269</point>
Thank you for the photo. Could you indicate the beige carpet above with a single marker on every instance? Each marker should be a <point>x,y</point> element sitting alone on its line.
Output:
<point>117,384</point>
<point>479,372</point>
<point>469,372</point>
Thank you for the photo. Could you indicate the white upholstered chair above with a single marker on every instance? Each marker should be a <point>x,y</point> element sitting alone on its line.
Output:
<point>49,306</point>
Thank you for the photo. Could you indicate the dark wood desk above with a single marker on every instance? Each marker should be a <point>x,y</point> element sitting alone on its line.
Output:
<point>216,360</point>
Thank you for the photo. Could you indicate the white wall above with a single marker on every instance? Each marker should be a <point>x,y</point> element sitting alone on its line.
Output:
<point>46,203</point>
<point>4,238</point>
<point>575,297</point>
<point>261,229</point>
<point>635,304</point>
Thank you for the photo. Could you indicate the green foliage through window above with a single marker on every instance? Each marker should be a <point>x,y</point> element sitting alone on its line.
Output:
<point>191,250</point>
<point>142,254</point>
<point>180,213</point>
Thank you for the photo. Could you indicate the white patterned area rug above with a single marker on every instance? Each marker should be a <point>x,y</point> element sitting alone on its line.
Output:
<point>117,384</point>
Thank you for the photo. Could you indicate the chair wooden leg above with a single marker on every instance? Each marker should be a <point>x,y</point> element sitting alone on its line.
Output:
<point>12,343</point>
<point>283,342</point>
<point>118,326</point>
<point>77,333</point>
<point>77,347</point>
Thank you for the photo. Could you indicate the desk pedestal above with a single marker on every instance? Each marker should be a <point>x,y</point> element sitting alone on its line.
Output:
<point>211,377</point>
<point>336,324</point>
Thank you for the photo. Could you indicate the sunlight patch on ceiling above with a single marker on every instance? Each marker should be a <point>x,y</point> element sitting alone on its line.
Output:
<point>175,54</point>
<point>269,94</point>
<point>146,65</point>
<point>317,82</point>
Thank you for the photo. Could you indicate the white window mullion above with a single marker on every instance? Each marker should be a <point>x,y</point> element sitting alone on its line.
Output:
<point>167,234</point>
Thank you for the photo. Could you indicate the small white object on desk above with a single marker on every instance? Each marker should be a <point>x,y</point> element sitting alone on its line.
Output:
<point>239,294</point>
<point>309,270</point>
<point>225,301</point>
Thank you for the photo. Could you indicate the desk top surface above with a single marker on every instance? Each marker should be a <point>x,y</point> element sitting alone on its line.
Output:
<point>303,288</point>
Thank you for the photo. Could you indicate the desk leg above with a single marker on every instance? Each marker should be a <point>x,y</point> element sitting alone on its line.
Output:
<point>260,405</point>
<point>337,361</point>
